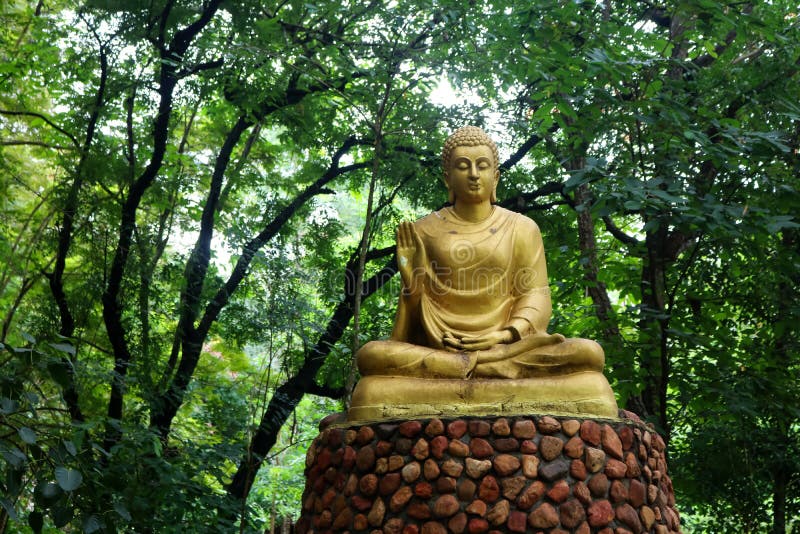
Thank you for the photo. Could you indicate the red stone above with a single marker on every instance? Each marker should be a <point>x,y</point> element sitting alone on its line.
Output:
<point>433,527</point>
<point>590,432</point>
<point>456,429</point>
<point>375,515</point>
<point>368,484</point>
<point>351,486</point>
<point>548,425</point>
<point>445,506</point>
<point>571,513</point>
<point>458,448</point>
<point>512,486</point>
<point>634,470</point>
<point>626,514</point>
<point>410,429</point>
<point>559,492</point>
<point>365,459</point>
<point>598,485</point>
<point>452,468</point>
<point>570,427</point>
<point>430,469</point>
<point>389,484</point>
<point>362,504</point>
<point>658,443</point>
<point>489,491</point>
<point>501,428</point>
<point>400,498</point>
<point>466,490</point>
<point>393,526</point>
<point>343,519</point>
<point>531,495</point>
<point>600,513</point>
<point>457,523</point>
<point>479,428</point>
<point>506,444</point>
<point>435,427</point>
<point>581,492</point>
<point>517,521</point>
<point>477,525</point>
<point>625,434</point>
<point>523,429</point>
<point>636,493</point>
<point>383,448</point>
<point>577,470</point>
<point>505,464</point>
<point>324,519</point>
<point>423,490</point>
<point>574,447</point>
<point>615,469</point>
<point>480,448</point>
<point>583,529</point>
<point>611,442</point>
<point>348,458</point>
<point>545,516</point>
<point>446,485</point>
<point>438,445</point>
<point>364,435</point>
<point>420,449</point>
<point>618,493</point>
<point>402,446</point>
<point>550,447</point>
<point>647,516</point>
<point>411,529</point>
<point>477,507</point>
<point>360,522</point>
<point>396,462</point>
<point>418,510</point>
<point>528,447</point>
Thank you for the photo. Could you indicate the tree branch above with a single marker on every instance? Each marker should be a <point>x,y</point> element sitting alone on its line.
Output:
<point>45,119</point>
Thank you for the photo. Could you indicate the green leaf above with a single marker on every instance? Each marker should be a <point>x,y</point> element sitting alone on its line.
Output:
<point>68,479</point>
<point>27,435</point>
<point>91,524</point>
<point>64,347</point>
<point>62,516</point>
<point>122,511</point>
<point>5,503</point>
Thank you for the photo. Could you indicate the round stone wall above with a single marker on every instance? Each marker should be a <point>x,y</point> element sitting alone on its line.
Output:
<point>475,475</point>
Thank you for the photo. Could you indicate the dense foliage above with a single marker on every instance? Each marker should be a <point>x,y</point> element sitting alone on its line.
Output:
<point>198,204</point>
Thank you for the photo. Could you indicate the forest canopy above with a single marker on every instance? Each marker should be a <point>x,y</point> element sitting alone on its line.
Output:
<point>198,201</point>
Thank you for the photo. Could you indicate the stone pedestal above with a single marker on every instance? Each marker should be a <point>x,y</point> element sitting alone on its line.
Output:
<point>484,474</point>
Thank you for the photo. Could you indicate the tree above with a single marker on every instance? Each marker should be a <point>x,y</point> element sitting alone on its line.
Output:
<point>186,257</point>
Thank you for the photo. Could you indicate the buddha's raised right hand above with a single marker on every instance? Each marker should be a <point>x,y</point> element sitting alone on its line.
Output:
<point>412,260</point>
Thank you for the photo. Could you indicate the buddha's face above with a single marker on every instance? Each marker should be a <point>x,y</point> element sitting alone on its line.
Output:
<point>471,176</point>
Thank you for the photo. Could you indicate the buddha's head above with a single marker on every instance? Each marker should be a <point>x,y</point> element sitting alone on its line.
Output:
<point>473,154</point>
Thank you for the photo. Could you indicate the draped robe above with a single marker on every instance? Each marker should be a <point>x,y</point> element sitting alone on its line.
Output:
<point>479,278</point>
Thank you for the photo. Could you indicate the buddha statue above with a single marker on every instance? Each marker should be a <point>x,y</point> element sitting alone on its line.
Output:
<point>470,334</point>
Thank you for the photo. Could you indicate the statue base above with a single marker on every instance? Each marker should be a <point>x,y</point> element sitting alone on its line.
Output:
<point>586,394</point>
<point>489,474</point>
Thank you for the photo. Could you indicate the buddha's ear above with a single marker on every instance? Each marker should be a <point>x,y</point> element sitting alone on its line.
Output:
<point>493,198</point>
<point>451,197</point>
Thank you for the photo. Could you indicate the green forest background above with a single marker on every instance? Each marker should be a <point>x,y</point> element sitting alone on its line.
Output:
<point>197,208</point>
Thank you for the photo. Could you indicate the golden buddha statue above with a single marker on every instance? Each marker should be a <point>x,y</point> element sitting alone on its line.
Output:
<point>470,335</point>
